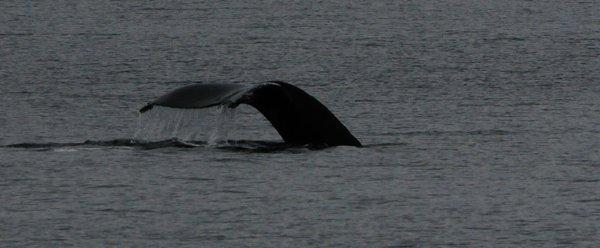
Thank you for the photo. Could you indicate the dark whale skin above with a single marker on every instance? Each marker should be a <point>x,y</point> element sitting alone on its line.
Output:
<point>298,117</point>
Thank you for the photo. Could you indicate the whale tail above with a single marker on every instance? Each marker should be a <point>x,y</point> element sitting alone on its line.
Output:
<point>298,117</point>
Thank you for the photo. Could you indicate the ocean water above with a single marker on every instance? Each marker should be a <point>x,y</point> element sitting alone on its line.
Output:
<point>480,121</point>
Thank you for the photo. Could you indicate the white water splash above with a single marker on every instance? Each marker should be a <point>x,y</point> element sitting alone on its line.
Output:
<point>161,123</point>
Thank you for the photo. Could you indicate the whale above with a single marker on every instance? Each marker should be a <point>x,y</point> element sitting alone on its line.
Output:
<point>298,117</point>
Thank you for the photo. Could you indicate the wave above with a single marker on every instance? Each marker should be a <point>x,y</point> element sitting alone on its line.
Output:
<point>148,145</point>
<point>497,132</point>
<point>232,145</point>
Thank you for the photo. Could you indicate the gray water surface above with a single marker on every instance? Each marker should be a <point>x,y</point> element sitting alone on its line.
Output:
<point>480,121</point>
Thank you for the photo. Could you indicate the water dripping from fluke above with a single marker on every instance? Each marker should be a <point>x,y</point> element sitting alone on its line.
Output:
<point>185,125</point>
<point>224,126</point>
<point>163,126</point>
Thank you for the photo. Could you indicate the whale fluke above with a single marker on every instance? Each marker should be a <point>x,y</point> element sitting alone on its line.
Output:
<point>298,117</point>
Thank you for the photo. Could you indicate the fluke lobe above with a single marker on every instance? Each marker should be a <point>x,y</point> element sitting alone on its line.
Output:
<point>297,116</point>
